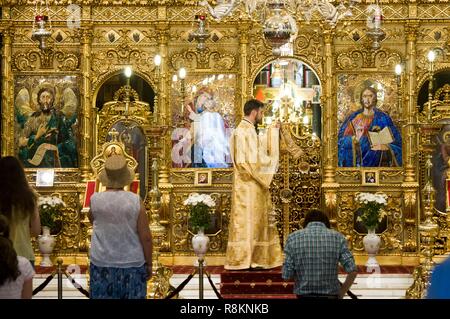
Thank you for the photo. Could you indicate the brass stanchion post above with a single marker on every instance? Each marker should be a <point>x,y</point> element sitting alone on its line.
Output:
<point>200,278</point>
<point>59,261</point>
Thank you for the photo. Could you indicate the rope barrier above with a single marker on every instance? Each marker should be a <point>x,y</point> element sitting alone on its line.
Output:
<point>60,272</point>
<point>77,285</point>
<point>186,281</point>
<point>181,286</point>
<point>44,284</point>
<point>349,293</point>
<point>352,295</point>
<point>213,286</point>
<point>171,295</point>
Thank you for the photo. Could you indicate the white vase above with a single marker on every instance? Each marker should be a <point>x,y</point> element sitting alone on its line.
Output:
<point>200,243</point>
<point>372,244</point>
<point>46,245</point>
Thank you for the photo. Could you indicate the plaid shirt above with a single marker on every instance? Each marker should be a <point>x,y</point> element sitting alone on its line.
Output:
<point>312,257</point>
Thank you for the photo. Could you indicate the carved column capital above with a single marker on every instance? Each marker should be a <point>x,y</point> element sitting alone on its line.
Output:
<point>86,35</point>
<point>328,36</point>
<point>412,31</point>
<point>8,33</point>
<point>162,29</point>
<point>244,32</point>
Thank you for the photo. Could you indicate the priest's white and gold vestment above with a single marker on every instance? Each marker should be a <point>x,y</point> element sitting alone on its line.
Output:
<point>252,241</point>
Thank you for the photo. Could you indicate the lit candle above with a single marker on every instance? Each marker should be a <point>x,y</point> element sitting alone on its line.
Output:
<point>377,22</point>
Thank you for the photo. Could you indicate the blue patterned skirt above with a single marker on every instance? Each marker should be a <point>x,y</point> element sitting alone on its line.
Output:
<point>118,283</point>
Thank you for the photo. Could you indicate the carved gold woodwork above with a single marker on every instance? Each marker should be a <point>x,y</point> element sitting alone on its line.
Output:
<point>391,238</point>
<point>205,59</point>
<point>127,13</point>
<point>64,178</point>
<point>331,200</point>
<point>359,58</point>
<point>296,189</point>
<point>181,235</point>
<point>307,48</point>
<point>48,59</point>
<point>67,240</point>
<point>113,147</point>
<point>409,219</point>
<point>114,111</point>
<point>441,103</point>
<point>106,63</point>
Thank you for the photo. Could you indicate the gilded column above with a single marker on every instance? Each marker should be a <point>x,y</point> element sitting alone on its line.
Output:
<point>7,96</point>
<point>165,120</point>
<point>244,37</point>
<point>162,28</point>
<point>86,140</point>
<point>329,133</point>
<point>410,184</point>
<point>409,107</point>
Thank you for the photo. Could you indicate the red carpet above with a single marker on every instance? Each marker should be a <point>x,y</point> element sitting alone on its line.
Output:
<point>190,269</point>
<point>251,284</point>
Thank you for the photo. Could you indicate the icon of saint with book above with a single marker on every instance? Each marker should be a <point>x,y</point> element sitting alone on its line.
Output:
<point>368,137</point>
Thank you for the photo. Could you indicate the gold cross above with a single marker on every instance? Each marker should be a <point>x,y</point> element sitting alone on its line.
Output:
<point>114,134</point>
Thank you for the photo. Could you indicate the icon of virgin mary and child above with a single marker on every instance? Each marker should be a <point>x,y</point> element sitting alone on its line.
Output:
<point>210,140</point>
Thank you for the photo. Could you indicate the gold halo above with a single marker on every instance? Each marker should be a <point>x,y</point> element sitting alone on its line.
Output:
<point>362,85</point>
<point>45,85</point>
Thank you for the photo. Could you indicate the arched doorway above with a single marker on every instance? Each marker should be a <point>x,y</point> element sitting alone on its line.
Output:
<point>291,91</point>
<point>127,106</point>
<point>441,155</point>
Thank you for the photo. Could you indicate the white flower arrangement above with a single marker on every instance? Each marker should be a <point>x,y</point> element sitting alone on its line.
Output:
<point>200,204</point>
<point>49,210</point>
<point>50,201</point>
<point>196,198</point>
<point>372,205</point>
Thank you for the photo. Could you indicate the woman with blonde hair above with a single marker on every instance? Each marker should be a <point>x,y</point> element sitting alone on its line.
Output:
<point>18,205</point>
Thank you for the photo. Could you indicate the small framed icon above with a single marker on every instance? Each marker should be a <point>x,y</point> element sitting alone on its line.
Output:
<point>203,178</point>
<point>370,178</point>
<point>45,177</point>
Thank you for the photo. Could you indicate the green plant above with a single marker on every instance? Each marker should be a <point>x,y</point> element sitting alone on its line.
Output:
<point>50,211</point>
<point>199,210</point>
<point>371,205</point>
<point>200,217</point>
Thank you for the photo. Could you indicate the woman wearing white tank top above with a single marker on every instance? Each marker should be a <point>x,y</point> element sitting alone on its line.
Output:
<point>121,245</point>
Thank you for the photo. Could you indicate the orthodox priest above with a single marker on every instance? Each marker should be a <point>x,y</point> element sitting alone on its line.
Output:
<point>253,242</point>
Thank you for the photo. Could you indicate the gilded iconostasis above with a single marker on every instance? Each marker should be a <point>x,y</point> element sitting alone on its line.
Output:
<point>191,67</point>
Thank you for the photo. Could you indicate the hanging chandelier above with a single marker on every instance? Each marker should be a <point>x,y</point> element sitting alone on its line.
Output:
<point>40,32</point>
<point>374,30</point>
<point>200,34</point>
<point>280,28</point>
<point>278,17</point>
<point>325,8</point>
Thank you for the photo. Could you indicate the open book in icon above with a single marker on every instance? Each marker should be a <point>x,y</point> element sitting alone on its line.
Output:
<point>382,137</point>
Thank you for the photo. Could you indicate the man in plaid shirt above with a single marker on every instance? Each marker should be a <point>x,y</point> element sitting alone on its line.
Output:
<point>312,257</point>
